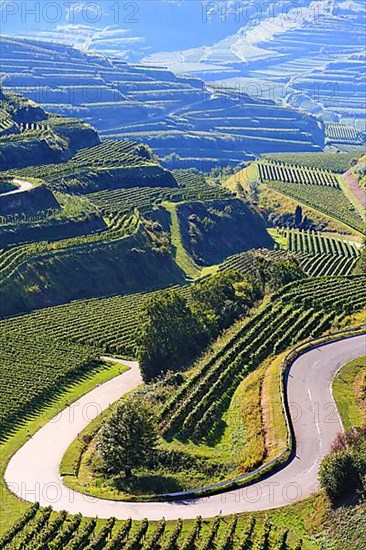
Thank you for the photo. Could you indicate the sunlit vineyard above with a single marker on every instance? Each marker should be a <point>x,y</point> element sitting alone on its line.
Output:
<point>244,262</point>
<point>314,264</point>
<point>288,173</point>
<point>320,255</point>
<point>309,242</point>
<point>46,530</point>
<point>111,154</point>
<point>324,265</point>
<point>302,309</point>
<point>31,368</point>
<point>107,323</point>
<point>338,163</point>
<point>6,122</point>
<point>192,186</point>
<point>329,200</point>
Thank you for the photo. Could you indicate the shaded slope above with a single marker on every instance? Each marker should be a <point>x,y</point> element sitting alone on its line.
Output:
<point>216,229</point>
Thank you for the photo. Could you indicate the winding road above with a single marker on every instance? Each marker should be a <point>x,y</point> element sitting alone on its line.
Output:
<point>33,472</point>
<point>22,186</point>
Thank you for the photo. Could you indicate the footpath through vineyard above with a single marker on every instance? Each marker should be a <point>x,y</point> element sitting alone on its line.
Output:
<point>33,472</point>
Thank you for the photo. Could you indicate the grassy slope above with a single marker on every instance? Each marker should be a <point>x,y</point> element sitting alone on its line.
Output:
<point>182,257</point>
<point>213,230</point>
<point>129,265</point>
<point>349,391</point>
<point>329,201</point>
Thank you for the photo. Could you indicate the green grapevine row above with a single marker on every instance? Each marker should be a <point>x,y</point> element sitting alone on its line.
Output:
<point>192,186</point>
<point>320,255</point>
<point>310,242</point>
<point>109,324</point>
<point>13,258</point>
<point>295,174</point>
<point>31,368</point>
<point>343,133</point>
<point>50,531</point>
<point>328,200</point>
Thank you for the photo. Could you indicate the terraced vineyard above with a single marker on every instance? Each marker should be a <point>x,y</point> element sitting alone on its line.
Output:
<point>312,263</point>
<point>12,259</point>
<point>171,113</point>
<point>302,309</point>
<point>244,261</point>
<point>341,133</point>
<point>32,369</point>
<point>110,154</point>
<point>114,153</point>
<point>275,171</point>
<point>323,265</point>
<point>323,255</point>
<point>107,323</point>
<point>6,123</point>
<point>329,200</point>
<point>192,186</point>
<point>337,163</point>
<point>309,242</point>
<point>43,529</point>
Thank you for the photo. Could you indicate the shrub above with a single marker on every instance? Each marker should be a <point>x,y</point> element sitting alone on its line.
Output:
<point>339,474</point>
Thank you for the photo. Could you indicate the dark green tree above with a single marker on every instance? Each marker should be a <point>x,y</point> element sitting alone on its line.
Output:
<point>361,267</point>
<point>169,336</point>
<point>298,216</point>
<point>215,302</point>
<point>129,438</point>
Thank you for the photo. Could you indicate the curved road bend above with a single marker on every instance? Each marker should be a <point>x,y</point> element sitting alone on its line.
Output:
<point>22,186</point>
<point>33,472</point>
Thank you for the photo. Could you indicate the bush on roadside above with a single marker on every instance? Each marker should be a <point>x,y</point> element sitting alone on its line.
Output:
<point>343,471</point>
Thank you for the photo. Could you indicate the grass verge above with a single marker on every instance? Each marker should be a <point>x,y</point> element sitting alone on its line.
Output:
<point>12,506</point>
<point>349,392</point>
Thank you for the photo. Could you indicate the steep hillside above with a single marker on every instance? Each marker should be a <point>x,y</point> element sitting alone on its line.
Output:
<point>34,201</point>
<point>110,165</point>
<point>133,263</point>
<point>214,230</point>
<point>30,137</point>
<point>170,113</point>
<point>109,220</point>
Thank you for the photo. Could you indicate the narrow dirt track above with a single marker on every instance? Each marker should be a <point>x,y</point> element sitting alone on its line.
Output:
<point>33,472</point>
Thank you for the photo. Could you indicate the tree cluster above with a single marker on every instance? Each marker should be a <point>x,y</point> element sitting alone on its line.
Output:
<point>175,329</point>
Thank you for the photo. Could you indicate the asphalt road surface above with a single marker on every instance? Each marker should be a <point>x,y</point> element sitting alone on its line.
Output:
<point>33,472</point>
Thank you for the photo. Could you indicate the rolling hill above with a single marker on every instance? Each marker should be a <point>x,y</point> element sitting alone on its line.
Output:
<point>173,114</point>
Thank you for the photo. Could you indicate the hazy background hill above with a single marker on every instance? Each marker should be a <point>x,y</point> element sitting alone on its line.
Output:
<point>184,121</point>
<point>208,83</point>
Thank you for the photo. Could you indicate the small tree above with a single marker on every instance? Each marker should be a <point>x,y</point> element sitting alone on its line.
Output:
<point>298,216</point>
<point>284,272</point>
<point>128,439</point>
